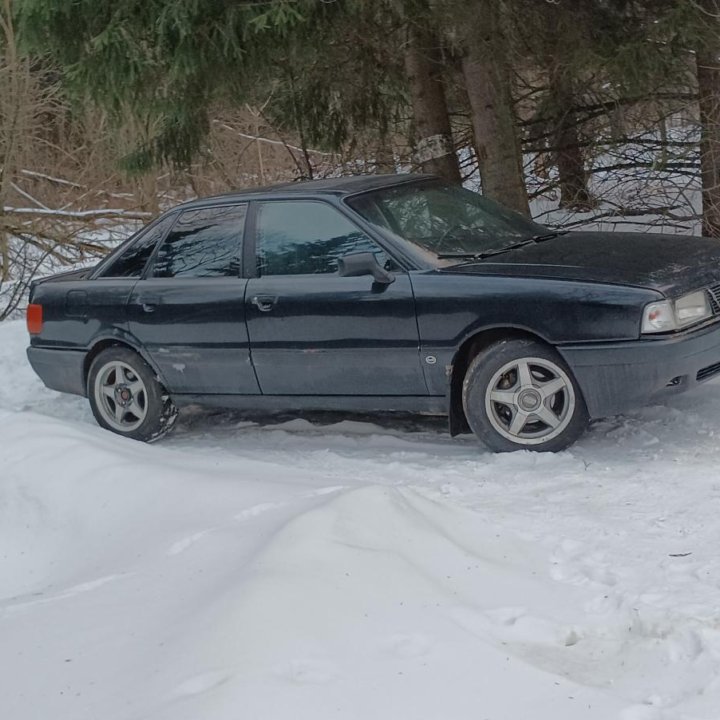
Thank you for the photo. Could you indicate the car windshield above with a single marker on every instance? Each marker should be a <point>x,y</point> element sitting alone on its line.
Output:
<point>444,220</point>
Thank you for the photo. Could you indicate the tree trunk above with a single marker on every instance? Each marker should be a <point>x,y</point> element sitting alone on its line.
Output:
<point>384,155</point>
<point>708,78</point>
<point>4,254</point>
<point>496,138</point>
<point>574,193</point>
<point>434,148</point>
<point>11,117</point>
<point>572,178</point>
<point>146,192</point>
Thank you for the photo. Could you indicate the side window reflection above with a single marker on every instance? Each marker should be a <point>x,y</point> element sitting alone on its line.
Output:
<point>307,238</point>
<point>203,243</point>
<point>132,261</point>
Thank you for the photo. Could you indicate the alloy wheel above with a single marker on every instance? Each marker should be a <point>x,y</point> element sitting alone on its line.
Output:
<point>530,400</point>
<point>121,396</point>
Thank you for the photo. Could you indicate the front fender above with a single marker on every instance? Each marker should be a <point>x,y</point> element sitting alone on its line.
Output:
<point>451,309</point>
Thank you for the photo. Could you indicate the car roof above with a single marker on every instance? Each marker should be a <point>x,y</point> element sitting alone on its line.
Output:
<point>338,186</point>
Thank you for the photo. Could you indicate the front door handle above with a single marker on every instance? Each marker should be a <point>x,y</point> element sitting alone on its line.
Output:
<point>149,303</point>
<point>264,303</point>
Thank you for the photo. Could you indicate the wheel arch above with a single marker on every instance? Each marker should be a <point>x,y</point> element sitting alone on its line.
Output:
<point>466,352</point>
<point>115,341</point>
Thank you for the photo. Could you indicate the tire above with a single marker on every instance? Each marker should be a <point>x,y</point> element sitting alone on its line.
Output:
<point>126,396</point>
<point>520,395</point>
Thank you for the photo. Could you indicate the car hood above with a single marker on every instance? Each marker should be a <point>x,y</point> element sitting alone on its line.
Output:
<point>670,264</point>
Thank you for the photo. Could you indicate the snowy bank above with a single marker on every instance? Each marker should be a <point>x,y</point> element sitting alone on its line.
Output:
<point>310,568</point>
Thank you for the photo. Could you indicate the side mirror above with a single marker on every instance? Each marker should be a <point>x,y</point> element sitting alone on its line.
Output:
<point>364,263</point>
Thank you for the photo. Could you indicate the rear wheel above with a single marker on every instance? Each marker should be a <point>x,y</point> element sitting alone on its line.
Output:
<point>126,397</point>
<point>520,395</point>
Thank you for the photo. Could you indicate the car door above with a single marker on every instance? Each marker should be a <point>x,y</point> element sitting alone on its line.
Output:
<point>313,332</point>
<point>189,312</point>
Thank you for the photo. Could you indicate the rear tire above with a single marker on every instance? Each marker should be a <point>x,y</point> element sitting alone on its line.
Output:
<point>520,395</point>
<point>127,398</point>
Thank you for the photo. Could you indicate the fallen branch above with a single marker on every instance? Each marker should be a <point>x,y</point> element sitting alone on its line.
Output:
<point>27,196</point>
<point>50,178</point>
<point>268,140</point>
<point>80,214</point>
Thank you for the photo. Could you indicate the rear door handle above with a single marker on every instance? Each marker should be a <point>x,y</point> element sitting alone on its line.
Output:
<point>264,303</point>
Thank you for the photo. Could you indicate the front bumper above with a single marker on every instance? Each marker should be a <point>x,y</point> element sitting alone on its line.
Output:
<point>62,370</point>
<point>617,377</point>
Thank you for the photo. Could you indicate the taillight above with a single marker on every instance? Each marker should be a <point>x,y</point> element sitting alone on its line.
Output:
<point>34,319</point>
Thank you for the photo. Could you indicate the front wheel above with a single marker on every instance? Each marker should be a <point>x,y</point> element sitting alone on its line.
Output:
<point>520,395</point>
<point>126,397</point>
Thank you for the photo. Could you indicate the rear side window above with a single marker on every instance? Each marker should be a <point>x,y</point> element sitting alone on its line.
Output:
<point>203,243</point>
<point>131,262</point>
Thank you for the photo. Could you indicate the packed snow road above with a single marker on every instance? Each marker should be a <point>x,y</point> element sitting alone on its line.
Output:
<point>319,568</point>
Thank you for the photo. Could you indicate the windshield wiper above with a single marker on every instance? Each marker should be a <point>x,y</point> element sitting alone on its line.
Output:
<point>486,253</point>
<point>548,236</point>
<point>497,251</point>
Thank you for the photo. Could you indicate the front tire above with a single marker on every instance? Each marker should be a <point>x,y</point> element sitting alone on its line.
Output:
<point>126,396</point>
<point>520,395</point>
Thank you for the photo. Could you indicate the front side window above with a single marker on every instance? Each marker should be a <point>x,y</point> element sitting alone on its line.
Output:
<point>131,262</point>
<point>296,237</point>
<point>203,243</point>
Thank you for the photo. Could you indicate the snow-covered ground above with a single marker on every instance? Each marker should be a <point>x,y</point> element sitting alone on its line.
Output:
<point>321,568</point>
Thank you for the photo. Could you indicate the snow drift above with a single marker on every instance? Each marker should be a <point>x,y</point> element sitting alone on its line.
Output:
<point>307,569</point>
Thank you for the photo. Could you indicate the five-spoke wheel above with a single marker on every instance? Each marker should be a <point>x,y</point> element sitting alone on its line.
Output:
<point>530,400</point>
<point>121,396</point>
<point>126,397</point>
<point>518,394</point>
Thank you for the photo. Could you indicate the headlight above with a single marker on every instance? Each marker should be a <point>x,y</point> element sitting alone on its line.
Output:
<point>668,315</point>
<point>692,308</point>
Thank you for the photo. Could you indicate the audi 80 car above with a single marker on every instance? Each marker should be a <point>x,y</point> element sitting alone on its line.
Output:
<point>380,293</point>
